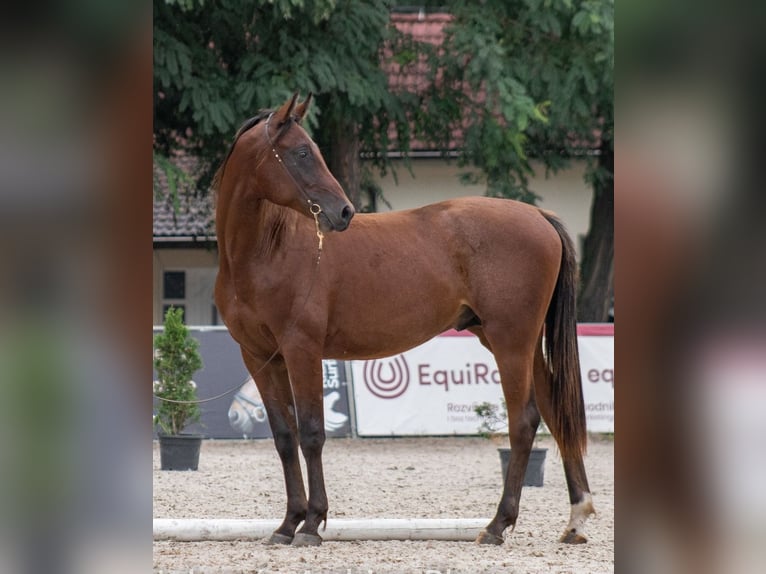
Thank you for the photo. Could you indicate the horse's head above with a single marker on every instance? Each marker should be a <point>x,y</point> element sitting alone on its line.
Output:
<point>293,173</point>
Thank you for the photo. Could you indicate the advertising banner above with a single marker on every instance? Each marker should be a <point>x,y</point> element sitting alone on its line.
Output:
<point>434,388</point>
<point>241,414</point>
<point>429,390</point>
<point>597,366</point>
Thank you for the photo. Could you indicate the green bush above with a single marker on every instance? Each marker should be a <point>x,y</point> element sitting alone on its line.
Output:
<point>176,359</point>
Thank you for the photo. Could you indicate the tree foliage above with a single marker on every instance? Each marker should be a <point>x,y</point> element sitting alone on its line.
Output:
<point>216,63</point>
<point>532,78</point>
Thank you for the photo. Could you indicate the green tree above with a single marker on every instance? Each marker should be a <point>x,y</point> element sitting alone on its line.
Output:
<point>176,359</point>
<point>533,78</point>
<point>218,62</point>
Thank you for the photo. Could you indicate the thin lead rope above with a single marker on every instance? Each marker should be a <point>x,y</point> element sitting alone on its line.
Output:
<point>200,401</point>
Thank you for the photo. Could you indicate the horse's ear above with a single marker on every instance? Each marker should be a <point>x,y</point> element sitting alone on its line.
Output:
<point>283,114</point>
<point>301,109</point>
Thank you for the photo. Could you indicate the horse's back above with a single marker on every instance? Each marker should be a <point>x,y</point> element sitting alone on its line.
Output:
<point>471,226</point>
<point>466,210</point>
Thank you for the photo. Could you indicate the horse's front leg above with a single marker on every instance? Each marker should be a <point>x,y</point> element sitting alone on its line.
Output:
<point>274,386</point>
<point>306,379</point>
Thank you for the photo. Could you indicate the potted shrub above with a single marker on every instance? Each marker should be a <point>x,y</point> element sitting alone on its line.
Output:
<point>176,359</point>
<point>494,422</point>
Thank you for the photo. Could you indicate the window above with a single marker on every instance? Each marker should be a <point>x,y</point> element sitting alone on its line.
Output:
<point>174,292</point>
<point>174,285</point>
<point>190,289</point>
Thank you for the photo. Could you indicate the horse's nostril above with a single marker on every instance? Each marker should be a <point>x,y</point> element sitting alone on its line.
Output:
<point>347,213</point>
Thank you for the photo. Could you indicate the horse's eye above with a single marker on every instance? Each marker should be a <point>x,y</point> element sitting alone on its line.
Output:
<point>303,154</point>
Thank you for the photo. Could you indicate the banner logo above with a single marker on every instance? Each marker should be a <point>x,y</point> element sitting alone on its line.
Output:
<point>387,378</point>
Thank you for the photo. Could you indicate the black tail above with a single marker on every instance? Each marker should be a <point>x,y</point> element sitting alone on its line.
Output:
<point>562,354</point>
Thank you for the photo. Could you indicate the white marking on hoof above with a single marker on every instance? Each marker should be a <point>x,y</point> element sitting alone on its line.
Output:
<point>579,513</point>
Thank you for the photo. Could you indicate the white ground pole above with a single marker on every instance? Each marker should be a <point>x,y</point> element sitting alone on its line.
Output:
<point>213,529</point>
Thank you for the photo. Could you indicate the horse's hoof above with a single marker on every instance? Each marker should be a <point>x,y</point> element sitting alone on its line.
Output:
<point>485,537</point>
<point>303,539</point>
<point>573,537</point>
<point>277,538</point>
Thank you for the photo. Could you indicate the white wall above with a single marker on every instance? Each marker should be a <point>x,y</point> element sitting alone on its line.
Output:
<point>201,267</point>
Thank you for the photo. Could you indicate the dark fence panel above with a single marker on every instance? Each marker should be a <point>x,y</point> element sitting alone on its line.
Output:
<point>241,414</point>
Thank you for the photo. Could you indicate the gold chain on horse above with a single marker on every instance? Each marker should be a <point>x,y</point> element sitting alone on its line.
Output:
<point>315,210</point>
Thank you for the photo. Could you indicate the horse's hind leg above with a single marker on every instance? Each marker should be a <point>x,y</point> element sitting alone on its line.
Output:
<point>574,468</point>
<point>515,366</point>
<point>274,386</point>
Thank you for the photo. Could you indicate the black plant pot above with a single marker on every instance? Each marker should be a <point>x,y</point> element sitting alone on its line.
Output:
<point>535,467</point>
<point>179,452</point>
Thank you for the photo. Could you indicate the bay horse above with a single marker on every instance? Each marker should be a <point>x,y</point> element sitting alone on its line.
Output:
<point>502,269</point>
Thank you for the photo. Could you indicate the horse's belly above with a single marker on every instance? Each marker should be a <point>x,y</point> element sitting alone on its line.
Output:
<point>349,350</point>
<point>375,341</point>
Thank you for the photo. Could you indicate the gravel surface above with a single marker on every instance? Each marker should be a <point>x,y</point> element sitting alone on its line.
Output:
<point>386,478</point>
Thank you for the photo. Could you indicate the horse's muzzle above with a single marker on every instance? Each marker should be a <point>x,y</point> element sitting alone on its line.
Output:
<point>346,215</point>
<point>336,220</point>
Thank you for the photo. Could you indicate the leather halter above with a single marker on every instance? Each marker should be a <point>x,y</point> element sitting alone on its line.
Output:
<point>314,208</point>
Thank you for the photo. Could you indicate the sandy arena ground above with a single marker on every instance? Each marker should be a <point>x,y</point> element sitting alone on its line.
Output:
<point>387,478</point>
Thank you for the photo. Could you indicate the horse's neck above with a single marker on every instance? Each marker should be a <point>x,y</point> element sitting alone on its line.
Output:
<point>259,228</point>
<point>275,223</point>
